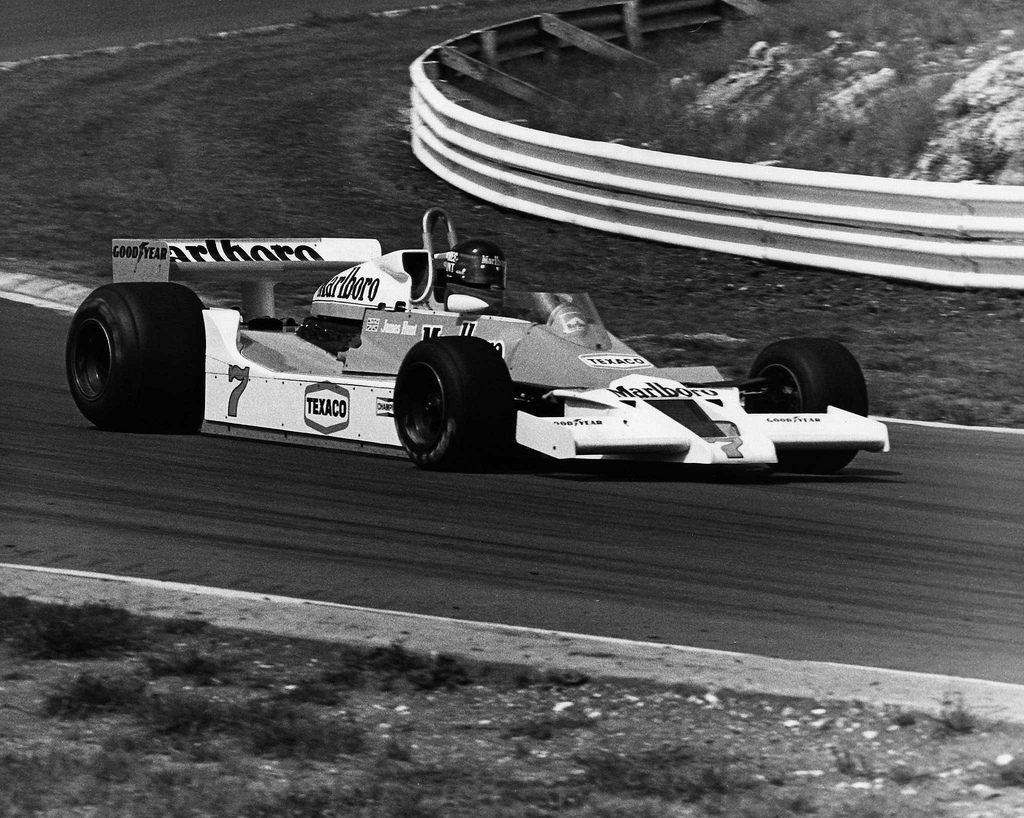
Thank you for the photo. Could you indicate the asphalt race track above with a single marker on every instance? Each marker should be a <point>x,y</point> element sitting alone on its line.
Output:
<point>911,560</point>
<point>30,29</point>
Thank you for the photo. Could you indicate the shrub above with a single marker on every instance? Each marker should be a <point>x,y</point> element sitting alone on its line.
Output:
<point>286,731</point>
<point>65,632</point>
<point>672,771</point>
<point>88,695</point>
<point>394,663</point>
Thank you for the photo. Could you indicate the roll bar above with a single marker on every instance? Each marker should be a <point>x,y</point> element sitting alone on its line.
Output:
<point>430,220</point>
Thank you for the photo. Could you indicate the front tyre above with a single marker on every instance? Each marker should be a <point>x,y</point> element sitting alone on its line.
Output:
<point>453,404</point>
<point>807,375</point>
<point>135,358</point>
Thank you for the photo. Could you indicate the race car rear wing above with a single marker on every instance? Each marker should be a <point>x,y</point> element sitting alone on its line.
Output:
<point>256,263</point>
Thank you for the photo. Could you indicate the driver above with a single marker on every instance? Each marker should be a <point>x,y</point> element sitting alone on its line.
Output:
<point>476,267</point>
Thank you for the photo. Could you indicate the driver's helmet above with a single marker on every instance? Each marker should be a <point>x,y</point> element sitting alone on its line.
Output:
<point>476,267</point>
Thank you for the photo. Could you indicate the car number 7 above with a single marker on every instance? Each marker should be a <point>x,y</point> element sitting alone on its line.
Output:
<point>236,373</point>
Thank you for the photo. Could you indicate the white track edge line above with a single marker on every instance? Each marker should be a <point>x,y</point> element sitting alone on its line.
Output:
<point>936,424</point>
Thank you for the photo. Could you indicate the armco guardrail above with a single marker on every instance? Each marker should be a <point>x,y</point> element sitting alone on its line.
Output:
<point>961,235</point>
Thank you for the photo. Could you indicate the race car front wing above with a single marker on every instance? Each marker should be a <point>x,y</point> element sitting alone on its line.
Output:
<point>658,419</point>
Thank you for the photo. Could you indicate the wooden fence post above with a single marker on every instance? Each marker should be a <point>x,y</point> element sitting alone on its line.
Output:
<point>489,47</point>
<point>631,23</point>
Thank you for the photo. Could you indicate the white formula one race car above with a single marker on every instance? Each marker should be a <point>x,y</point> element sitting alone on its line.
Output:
<point>426,351</point>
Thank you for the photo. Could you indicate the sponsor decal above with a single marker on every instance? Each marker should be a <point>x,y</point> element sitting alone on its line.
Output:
<point>452,258</point>
<point>385,407</point>
<point>658,391</point>
<point>616,361</point>
<point>326,407</point>
<point>572,322</point>
<point>142,250</point>
<point>221,250</point>
<point>792,419</point>
<point>350,286</point>
<point>579,422</point>
<point>467,329</point>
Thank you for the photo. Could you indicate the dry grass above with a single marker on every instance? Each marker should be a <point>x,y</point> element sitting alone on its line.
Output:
<point>927,44</point>
<point>194,721</point>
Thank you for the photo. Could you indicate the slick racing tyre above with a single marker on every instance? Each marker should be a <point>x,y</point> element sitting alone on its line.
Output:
<point>135,358</point>
<point>453,404</point>
<point>808,375</point>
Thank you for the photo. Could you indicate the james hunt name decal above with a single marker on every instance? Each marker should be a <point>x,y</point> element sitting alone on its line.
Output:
<point>326,407</point>
<point>616,361</point>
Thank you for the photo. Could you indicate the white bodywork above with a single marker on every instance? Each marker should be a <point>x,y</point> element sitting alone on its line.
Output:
<point>310,398</point>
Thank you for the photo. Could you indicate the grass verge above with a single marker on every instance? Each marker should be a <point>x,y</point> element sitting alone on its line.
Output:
<point>168,720</point>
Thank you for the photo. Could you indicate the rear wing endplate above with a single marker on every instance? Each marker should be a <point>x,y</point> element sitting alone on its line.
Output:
<point>256,263</point>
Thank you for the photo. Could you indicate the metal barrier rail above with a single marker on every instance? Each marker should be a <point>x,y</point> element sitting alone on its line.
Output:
<point>960,235</point>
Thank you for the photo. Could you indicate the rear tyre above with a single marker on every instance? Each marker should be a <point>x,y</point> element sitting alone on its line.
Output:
<point>453,404</point>
<point>135,358</point>
<point>809,375</point>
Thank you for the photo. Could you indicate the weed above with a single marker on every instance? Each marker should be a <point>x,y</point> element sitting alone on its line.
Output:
<point>88,695</point>
<point>269,727</point>
<point>397,750</point>
<point>188,714</point>
<point>904,718</point>
<point>286,731</point>
<point>27,780</point>
<point>395,664</point>
<point>850,762</point>
<point>672,771</point>
<point>347,676</point>
<point>904,773</point>
<point>44,631</point>
<point>955,719</point>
